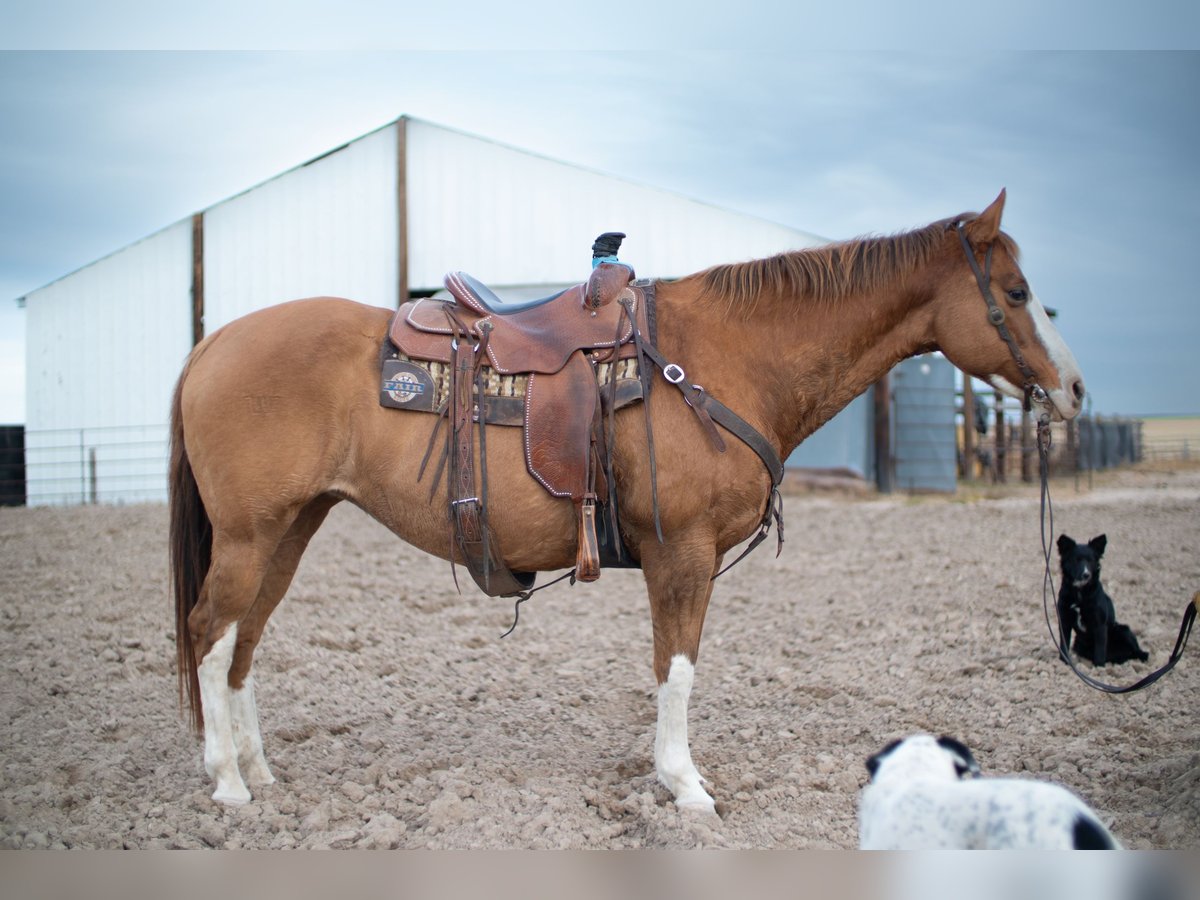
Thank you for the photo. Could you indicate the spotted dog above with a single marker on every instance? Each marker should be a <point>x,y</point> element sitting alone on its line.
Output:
<point>925,793</point>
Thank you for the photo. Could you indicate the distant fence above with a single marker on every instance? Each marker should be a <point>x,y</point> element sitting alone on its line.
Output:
<point>1104,443</point>
<point>998,442</point>
<point>1171,438</point>
<point>117,464</point>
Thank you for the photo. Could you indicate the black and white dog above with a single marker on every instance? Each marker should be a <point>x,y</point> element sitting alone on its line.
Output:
<point>925,794</point>
<point>1086,609</point>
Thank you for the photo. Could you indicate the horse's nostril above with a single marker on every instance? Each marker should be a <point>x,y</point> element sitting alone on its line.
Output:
<point>1077,390</point>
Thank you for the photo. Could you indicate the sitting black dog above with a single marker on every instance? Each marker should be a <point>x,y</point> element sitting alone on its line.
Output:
<point>1085,609</point>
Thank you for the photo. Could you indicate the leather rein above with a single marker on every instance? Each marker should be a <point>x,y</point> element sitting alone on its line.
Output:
<point>1048,591</point>
<point>1034,393</point>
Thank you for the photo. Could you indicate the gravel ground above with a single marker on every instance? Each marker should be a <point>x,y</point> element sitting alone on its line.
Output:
<point>395,716</point>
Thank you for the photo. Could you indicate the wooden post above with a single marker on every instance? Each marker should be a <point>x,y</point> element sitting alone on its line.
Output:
<point>93,488</point>
<point>1073,448</point>
<point>197,278</point>
<point>1001,441</point>
<point>1027,448</point>
<point>968,395</point>
<point>402,287</point>
<point>883,435</point>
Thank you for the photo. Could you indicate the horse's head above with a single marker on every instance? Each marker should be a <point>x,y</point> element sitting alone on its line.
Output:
<point>991,325</point>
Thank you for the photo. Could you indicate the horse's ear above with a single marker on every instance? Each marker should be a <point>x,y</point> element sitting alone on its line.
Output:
<point>984,228</point>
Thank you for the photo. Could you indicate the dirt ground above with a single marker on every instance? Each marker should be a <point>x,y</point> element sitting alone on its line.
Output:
<point>395,716</point>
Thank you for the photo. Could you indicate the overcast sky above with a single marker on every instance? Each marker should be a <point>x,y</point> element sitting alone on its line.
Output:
<point>1098,151</point>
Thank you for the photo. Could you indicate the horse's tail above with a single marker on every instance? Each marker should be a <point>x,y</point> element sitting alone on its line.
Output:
<point>191,555</point>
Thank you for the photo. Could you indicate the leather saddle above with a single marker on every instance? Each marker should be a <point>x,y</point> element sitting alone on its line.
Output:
<point>554,345</point>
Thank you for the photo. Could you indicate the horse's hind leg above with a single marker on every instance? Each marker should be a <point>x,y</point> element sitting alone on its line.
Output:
<point>247,737</point>
<point>239,566</point>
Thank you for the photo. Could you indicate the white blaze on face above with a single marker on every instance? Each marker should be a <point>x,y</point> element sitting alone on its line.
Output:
<point>1062,397</point>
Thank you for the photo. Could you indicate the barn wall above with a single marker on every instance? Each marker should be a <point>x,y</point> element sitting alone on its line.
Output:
<point>845,442</point>
<point>105,344</point>
<point>326,228</point>
<point>514,218</point>
<point>103,349</point>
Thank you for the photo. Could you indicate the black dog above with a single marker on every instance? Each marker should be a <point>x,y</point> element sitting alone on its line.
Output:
<point>1084,607</point>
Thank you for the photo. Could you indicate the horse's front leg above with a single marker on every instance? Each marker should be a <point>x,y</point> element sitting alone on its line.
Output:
<point>679,581</point>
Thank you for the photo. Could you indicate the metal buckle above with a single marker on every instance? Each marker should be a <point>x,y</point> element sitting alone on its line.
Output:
<point>465,500</point>
<point>673,373</point>
<point>699,394</point>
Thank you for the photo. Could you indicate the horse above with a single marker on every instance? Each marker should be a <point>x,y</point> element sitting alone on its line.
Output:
<point>276,418</point>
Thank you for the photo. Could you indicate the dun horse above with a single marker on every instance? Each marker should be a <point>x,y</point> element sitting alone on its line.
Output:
<point>276,418</point>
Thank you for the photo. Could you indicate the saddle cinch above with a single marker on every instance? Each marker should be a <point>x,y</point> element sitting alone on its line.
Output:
<point>553,366</point>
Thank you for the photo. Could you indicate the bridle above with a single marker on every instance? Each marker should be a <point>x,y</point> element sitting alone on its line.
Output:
<point>1035,393</point>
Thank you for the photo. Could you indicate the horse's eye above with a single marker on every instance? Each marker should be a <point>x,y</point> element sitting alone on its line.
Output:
<point>1017,296</point>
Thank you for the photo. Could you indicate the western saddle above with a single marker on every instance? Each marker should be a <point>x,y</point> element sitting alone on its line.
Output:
<point>487,352</point>
<point>557,366</point>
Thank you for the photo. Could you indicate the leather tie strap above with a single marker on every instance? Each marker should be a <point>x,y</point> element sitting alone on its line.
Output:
<point>470,529</point>
<point>644,377</point>
<point>709,409</point>
<point>711,412</point>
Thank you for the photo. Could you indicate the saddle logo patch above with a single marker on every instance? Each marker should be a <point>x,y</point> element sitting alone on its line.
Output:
<point>406,386</point>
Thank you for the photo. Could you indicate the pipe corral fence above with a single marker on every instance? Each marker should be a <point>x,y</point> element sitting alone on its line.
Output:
<point>991,439</point>
<point>70,466</point>
<point>997,441</point>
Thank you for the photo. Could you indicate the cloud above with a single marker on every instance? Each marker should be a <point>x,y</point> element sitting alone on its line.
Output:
<point>101,149</point>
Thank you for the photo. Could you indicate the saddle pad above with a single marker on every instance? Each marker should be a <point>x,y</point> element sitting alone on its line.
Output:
<point>423,386</point>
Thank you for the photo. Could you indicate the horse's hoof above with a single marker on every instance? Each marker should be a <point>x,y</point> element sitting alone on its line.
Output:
<point>693,805</point>
<point>231,797</point>
<point>258,775</point>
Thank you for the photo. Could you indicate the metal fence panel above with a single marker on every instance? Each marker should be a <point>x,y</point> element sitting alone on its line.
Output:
<point>114,464</point>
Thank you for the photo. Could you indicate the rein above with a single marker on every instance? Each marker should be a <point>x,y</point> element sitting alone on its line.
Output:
<point>1047,518</point>
<point>1034,393</point>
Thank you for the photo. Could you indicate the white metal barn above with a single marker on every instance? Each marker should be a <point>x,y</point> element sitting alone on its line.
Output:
<point>376,220</point>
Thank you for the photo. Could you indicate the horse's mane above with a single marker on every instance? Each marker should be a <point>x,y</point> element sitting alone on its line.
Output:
<point>828,273</point>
